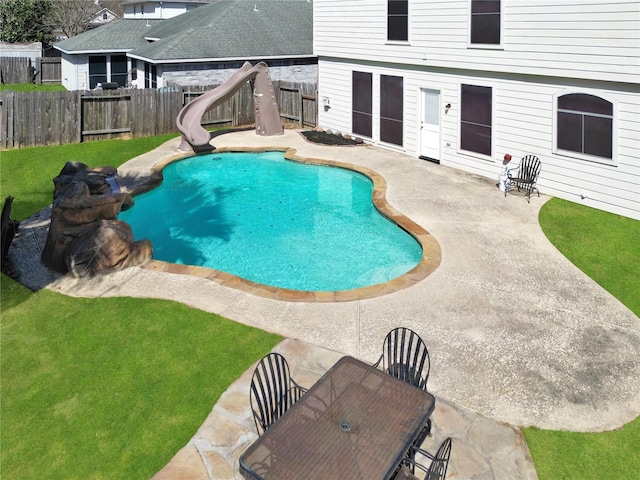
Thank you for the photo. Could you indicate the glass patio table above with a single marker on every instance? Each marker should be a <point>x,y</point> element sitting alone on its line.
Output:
<point>356,422</point>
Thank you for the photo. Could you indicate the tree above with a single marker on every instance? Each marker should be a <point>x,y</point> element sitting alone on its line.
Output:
<point>71,17</point>
<point>25,21</point>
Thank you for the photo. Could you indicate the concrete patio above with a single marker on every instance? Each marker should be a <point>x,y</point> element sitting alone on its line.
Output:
<point>518,336</point>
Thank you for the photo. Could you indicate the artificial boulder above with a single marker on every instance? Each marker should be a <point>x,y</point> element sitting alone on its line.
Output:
<point>84,236</point>
<point>8,231</point>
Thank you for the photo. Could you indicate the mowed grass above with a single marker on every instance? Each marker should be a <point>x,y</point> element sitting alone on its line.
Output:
<point>32,87</point>
<point>27,174</point>
<point>603,245</point>
<point>607,248</point>
<point>110,388</point>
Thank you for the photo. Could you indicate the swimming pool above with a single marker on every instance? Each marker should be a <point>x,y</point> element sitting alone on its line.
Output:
<point>273,221</point>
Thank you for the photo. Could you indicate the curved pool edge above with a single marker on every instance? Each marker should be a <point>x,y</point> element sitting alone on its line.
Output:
<point>431,253</point>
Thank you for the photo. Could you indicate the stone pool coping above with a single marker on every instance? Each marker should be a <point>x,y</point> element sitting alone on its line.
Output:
<point>431,253</point>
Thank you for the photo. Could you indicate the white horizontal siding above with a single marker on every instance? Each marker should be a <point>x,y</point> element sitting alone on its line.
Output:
<point>523,124</point>
<point>565,38</point>
<point>75,72</point>
<point>335,84</point>
<point>68,71</point>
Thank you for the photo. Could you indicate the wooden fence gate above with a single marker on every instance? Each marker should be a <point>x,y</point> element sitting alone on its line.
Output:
<point>49,70</point>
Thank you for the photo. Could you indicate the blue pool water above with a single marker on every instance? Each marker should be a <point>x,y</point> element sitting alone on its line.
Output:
<point>272,221</point>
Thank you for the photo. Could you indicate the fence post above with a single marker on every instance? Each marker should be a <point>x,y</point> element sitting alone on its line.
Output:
<point>79,119</point>
<point>8,132</point>
<point>301,111</point>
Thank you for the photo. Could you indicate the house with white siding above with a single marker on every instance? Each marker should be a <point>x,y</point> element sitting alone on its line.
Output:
<point>159,9</point>
<point>465,82</point>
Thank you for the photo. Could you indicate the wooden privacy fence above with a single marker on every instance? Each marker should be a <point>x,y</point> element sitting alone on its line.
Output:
<point>15,70</point>
<point>55,118</point>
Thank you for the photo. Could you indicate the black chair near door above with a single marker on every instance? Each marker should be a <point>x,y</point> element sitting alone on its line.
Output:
<point>526,177</point>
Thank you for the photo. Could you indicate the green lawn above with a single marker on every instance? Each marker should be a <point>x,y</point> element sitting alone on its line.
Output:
<point>27,173</point>
<point>112,388</point>
<point>605,247</point>
<point>32,87</point>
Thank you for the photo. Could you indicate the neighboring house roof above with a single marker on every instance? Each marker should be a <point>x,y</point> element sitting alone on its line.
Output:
<point>120,35</point>
<point>133,2</point>
<point>98,17</point>
<point>223,30</point>
<point>231,29</point>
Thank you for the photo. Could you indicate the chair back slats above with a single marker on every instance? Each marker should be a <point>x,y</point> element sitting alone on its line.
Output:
<point>526,178</point>
<point>529,169</point>
<point>270,391</point>
<point>405,356</point>
<point>438,468</point>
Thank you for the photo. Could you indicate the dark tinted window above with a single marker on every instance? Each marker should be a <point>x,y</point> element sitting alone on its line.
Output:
<point>362,104</point>
<point>391,109</point>
<point>485,22</point>
<point>150,76</point>
<point>398,20</point>
<point>119,69</point>
<point>585,125</point>
<point>97,70</point>
<point>583,102</point>
<point>476,119</point>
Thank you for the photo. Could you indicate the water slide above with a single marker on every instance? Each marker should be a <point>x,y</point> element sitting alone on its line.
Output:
<point>196,137</point>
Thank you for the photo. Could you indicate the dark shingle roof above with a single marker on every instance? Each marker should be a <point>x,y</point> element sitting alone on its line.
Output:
<point>234,29</point>
<point>131,2</point>
<point>119,35</point>
<point>225,29</point>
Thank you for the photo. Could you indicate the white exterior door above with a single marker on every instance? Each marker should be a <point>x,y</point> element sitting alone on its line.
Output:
<point>430,124</point>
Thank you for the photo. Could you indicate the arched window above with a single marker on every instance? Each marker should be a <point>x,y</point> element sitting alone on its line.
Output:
<point>585,125</point>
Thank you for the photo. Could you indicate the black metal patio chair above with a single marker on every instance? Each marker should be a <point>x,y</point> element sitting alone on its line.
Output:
<point>437,469</point>
<point>405,356</point>
<point>526,178</point>
<point>272,391</point>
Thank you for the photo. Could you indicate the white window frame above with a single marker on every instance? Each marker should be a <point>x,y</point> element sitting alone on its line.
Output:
<point>583,156</point>
<point>404,110</point>
<point>398,42</point>
<point>471,153</point>
<point>485,46</point>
